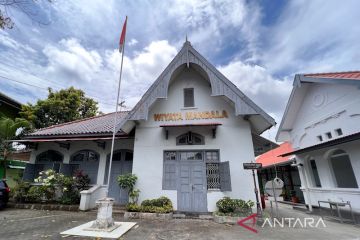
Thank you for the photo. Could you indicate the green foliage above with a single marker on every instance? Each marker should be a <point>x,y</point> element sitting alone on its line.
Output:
<point>52,184</point>
<point>229,206</point>
<point>158,205</point>
<point>9,130</point>
<point>20,191</point>
<point>128,181</point>
<point>60,107</point>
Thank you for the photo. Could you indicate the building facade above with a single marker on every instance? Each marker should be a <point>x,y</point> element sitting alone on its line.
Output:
<point>321,121</point>
<point>186,139</point>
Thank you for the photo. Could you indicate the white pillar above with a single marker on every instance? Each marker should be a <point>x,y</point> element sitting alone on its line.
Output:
<point>102,168</point>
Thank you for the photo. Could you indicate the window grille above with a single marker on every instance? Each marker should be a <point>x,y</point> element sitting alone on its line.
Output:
<point>213,176</point>
<point>190,138</point>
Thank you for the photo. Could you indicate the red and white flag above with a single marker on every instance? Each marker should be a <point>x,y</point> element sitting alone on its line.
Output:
<point>122,37</point>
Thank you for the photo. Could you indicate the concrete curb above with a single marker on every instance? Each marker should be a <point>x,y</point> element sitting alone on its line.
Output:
<point>38,206</point>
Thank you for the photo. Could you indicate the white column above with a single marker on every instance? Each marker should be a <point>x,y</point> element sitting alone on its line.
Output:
<point>102,166</point>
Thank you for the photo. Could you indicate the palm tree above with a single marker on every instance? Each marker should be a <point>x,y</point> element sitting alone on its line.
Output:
<point>10,130</point>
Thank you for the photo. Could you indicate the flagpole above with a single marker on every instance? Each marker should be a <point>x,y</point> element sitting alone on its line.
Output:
<point>115,117</point>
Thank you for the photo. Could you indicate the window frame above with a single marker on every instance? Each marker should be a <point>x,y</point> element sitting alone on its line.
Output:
<point>192,91</point>
<point>333,154</point>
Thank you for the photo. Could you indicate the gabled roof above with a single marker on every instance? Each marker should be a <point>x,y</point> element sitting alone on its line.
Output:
<point>9,101</point>
<point>101,124</point>
<point>220,86</point>
<point>300,87</point>
<point>337,75</point>
<point>273,157</point>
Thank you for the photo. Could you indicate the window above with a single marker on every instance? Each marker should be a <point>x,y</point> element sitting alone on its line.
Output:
<point>213,176</point>
<point>212,170</point>
<point>315,173</point>
<point>170,156</point>
<point>328,135</point>
<point>342,169</point>
<point>339,132</point>
<point>195,155</point>
<point>49,156</point>
<point>189,97</point>
<point>190,138</point>
<point>86,156</point>
<point>129,156</point>
<point>320,138</point>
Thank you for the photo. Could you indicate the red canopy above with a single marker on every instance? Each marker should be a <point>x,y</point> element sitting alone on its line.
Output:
<point>273,157</point>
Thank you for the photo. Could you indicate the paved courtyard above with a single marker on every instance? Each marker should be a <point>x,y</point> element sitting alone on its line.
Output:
<point>39,224</point>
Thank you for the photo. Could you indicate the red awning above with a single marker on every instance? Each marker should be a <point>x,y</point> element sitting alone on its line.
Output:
<point>273,157</point>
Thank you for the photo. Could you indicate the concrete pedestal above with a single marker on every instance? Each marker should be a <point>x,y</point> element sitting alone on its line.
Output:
<point>104,219</point>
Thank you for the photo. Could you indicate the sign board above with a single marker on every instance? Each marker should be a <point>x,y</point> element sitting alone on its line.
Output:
<point>274,187</point>
<point>252,165</point>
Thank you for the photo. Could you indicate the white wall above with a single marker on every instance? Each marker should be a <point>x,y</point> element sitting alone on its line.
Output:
<point>325,108</point>
<point>233,139</point>
<point>329,189</point>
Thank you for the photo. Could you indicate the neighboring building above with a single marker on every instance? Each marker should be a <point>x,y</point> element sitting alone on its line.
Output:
<point>186,139</point>
<point>274,165</point>
<point>9,107</point>
<point>321,121</point>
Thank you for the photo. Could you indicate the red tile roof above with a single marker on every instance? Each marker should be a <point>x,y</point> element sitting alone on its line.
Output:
<point>272,157</point>
<point>343,75</point>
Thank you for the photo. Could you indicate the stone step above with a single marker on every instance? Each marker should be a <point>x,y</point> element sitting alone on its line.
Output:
<point>179,215</point>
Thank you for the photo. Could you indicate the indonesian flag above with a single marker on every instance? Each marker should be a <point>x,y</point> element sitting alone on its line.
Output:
<point>122,37</point>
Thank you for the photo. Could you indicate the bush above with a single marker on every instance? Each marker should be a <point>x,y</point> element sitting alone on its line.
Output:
<point>20,191</point>
<point>158,205</point>
<point>230,206</point>
<point>35,194</point>
<point>67,188</point>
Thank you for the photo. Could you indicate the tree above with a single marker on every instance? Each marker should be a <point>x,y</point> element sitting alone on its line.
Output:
<point>10,130</point>
<point>60,107</point>
<point>29,7</point>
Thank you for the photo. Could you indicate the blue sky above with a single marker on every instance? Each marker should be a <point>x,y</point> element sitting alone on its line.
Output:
<point>259,45</point>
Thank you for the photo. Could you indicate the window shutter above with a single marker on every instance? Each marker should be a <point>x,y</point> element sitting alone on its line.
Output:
<point>225,180</point>
<point>169,175</point>
<point>29,172</point>
<point>189,97</point>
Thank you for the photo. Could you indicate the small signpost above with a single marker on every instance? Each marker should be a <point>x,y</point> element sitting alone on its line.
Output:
<point>255,166</point>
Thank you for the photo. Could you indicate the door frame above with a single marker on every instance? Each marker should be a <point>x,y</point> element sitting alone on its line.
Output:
<point>189,162</point>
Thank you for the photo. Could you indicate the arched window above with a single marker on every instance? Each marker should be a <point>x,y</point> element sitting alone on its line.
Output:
<point>190,138</point>
<point>85,156</point>
<point>343,171</point>
<point>49,159</point>
<point>49,156</point>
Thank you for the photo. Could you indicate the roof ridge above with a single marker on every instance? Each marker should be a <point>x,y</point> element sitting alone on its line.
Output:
<point>78,120</point>
<point>319,73</point>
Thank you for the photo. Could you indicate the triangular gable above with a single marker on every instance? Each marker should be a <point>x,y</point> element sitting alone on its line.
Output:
<point>220,86</point>
<point>300,87</point>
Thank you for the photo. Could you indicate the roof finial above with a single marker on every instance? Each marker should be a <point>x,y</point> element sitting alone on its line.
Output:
<point>186,40</point>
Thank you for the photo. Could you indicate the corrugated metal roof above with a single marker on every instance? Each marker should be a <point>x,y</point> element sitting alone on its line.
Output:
<point>93,125</point>
<point>341,75</point>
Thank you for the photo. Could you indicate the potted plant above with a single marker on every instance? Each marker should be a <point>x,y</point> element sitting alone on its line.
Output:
<point>294,198</point>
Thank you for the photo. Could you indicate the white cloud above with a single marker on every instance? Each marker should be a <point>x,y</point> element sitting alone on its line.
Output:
<point>312,36</point>
<point>69,61</point>
<point>269,93</point>
<point>133,42</point>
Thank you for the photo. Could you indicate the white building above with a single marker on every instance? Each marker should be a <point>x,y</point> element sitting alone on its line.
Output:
<point>186,139</point>
<point>321,121</point>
